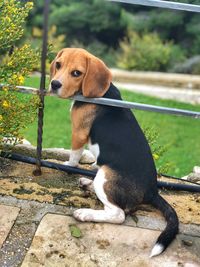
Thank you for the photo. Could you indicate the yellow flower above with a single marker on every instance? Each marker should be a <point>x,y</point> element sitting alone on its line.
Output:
<point>6,104</point>
<point>26,46</point>
<point>21,79</point>
<point>10,64</point>
<point>1,117</point>
<point>8,19</point>
<point>14,76</point>
<point>5,89</point>
<point>155,156</point>
<point>29,5</point>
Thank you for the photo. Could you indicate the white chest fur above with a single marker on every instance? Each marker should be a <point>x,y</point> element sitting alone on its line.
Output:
<point>71,107</point>
<point>94,149</point>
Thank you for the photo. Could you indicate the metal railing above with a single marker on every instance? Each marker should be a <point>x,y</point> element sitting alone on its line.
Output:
<point>162,4</point>
<point>42,88</point>
<point>139,106</point>
<point>118,103</point>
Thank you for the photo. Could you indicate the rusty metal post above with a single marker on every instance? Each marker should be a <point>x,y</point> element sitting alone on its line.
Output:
<point>38,171</point>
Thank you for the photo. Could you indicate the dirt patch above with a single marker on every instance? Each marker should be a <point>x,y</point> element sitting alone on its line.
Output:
<point>187,206</point>
<point>53,186</point>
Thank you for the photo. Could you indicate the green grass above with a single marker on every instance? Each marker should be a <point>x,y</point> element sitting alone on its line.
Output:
<point>33,81</point>
<point>180,133</point>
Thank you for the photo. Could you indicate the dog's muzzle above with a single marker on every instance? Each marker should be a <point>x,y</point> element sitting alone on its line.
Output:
<point>55,85</point>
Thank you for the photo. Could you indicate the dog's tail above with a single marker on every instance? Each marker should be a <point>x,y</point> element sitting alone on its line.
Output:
<point>171,229</point>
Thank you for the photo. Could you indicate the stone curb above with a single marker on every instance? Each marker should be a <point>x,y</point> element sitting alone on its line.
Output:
<point>52,153</point>
<point>157,78</point>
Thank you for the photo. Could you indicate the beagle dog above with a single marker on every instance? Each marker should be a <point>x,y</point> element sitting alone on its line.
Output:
<point>126,174</point>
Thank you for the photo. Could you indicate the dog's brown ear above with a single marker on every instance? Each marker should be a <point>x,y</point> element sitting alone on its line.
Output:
<point>97,78</point>
<point>52,69</point>
<point>53,64</point>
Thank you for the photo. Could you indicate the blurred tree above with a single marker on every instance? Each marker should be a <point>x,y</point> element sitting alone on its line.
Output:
<point>181,27</point>
<point>84,21</point>
<point>89,20</point>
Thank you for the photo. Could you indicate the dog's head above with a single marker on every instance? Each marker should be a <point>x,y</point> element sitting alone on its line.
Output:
<point>75,70</point>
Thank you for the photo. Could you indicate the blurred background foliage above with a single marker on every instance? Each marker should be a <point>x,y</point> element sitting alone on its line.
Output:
<point>115,31</point>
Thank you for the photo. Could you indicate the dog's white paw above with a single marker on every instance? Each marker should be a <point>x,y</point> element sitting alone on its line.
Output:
<point>84,182</point>
<point>68,163</point>
<point>83,215</point>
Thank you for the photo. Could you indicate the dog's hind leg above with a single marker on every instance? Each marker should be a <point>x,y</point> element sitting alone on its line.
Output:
<point>111,212</point>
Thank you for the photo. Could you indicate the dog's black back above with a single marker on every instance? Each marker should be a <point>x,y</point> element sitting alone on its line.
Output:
<point>124,148</point>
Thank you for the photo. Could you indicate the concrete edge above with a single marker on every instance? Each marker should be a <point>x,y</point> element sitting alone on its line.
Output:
<point>51,153</point>
<point>159,224</point>
<point>157,78</point>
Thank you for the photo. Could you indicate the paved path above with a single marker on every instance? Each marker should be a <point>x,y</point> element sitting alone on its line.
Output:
<point>41,236</point>
<point>103,245</point>
<point>7,219</point>
<point>179,94</point>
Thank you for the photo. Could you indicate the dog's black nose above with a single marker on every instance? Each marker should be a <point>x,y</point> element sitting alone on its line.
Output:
<point>55,85</point>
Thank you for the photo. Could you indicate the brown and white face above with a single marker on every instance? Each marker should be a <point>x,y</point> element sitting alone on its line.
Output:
<point>75,70</point>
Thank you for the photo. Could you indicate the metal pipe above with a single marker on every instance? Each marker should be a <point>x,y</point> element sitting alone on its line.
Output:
<point>133,105</point>
<point>92,174</point>
<point>162,4</point>
<point>176,178</point>
<point>179,187</point>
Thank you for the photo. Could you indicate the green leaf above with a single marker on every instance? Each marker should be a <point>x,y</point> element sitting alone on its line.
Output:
<point>75,231</point>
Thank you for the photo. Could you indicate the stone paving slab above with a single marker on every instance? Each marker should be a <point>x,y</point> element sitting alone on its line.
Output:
<point>7,219</point>
<point>104,245</point>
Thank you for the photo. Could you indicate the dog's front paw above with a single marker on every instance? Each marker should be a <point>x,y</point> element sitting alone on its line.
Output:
<point>83,215</point>
<point>69,163</point>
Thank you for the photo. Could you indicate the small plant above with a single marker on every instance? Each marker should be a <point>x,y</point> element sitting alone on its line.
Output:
<point>15,63</point>
<point>157,150</point>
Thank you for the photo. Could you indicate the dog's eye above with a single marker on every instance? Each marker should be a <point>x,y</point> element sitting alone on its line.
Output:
<point>76,73</point>
<point>58,65</point>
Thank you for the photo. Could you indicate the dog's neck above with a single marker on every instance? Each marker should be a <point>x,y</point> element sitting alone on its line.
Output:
<point>112,93</point>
